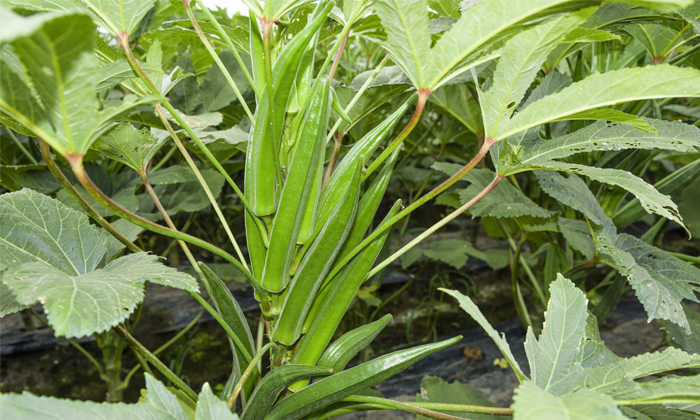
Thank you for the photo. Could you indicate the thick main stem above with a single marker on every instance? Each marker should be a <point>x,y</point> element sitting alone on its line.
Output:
<point>153,360</point>
<point>61,178</point>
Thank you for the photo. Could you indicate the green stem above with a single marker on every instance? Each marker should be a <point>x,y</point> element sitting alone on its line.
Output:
<point>76,163</point>
<point>153,360</point>
<point>170,224</point>
<point>684,257</point>
<point>61,178</point>
<point>165,159</point>
<point>139,71</point>
<point>74,344</point>
<point>249,370</point>
<point>229,43</point>
<point>21,146</point>
<point>202,182</point>
<point>420,106</point>
<point>426,409</point>
<point>525,265</point>
<point>164,346</point>
<point>436,226</point>
<point>237,341</point>
<point>217,60</point>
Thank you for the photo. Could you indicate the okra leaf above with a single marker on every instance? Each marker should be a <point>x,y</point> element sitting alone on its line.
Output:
<point>553,355</point>
<point>533,403</point>
<point>210,407</point>
<point>8,302</point>
<point>659,38</point>
<point>653,201</point>
<point>662,81</point>
<point>669,389</point>
<point>158,404</point>
<point>659,279</point>
<point>578,235</point>
<point>129,145</point>
<point>61,105</point>
<point>670,135</point>
<point>521,59</point>
<point>120,16</point>
<point>36,6</point>
<point>469,307</point>
<point>657,412</point>
<point>37,228</point>
<point>688,342</point>
<point>53,254</point>
<point>216,91</point>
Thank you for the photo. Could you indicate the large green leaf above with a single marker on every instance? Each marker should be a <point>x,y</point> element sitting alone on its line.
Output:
<point>599,136</point>
<point>129,145</point>
<point>53,254</point>
<point>521,59</point>
<point>553,356</point>
<point>36,6</point>
<point>533,403</point>
<point>157,404</point>
<point>669,389</point>
<point>578,235</point>
<point>481,25</point>
<point>8,302</point>
<point>61,104</point>
<point>120,16</point>
<point>659,279</point>
<point>659,38</point>
<point>599,90</point>
<point>36,227</point>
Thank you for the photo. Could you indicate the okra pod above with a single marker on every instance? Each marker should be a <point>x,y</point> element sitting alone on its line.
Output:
<point>265,393</point>
<point>368,206</point>
<point>263,148</point>
<point>296,192</point>
<point>339,354</point>
<point>327,312</point>
<point>316,264</point>
<point>339,180</point>
<point>348,382</point>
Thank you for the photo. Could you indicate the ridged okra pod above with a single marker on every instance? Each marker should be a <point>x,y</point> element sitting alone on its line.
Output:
<point>296,191</point>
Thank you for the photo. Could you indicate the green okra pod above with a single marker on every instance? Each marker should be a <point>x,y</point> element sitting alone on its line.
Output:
<point>348,382</point>
<point>368,206</point>
<point>339,180</point>
<point>256,244</point>
<point>261,169</point>
<point>296,192</point>
<point>339,354</point>
<point>265,393</point>
<point>328,309</point>
<point>316,264</point>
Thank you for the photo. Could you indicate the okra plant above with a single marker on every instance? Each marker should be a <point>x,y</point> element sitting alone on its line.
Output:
<point>91,90</point>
